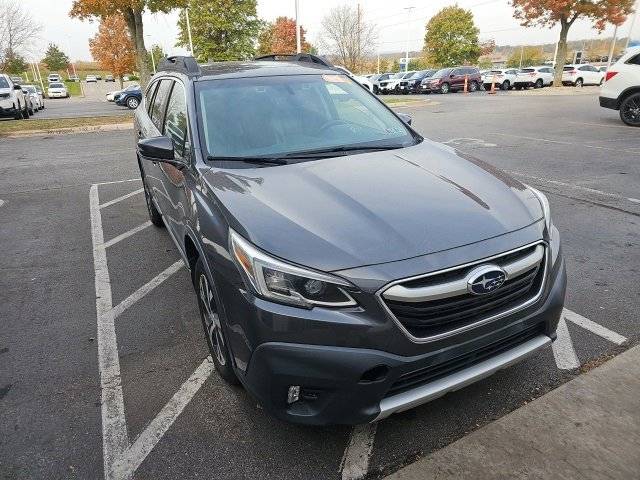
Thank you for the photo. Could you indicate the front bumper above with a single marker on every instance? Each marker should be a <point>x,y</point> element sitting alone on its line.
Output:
<point>346,385</point>
<point>8,110</point>
<point>57,95</point>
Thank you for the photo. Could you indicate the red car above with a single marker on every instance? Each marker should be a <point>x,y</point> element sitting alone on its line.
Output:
<point>452,79</point>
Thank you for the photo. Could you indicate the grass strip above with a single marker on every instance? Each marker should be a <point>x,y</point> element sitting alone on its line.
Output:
<point>8,127</point>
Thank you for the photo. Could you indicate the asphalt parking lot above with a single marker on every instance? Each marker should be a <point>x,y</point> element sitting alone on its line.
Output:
<point>73,107</point>
<point>74,227</point>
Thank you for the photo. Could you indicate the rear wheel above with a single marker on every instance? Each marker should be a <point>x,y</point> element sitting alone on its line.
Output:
<point>539,83</point>
<point>212,325</point>
<point>630,110</point>
<point>505,85</point>
<point>132,103</point>
<point>579,82</point>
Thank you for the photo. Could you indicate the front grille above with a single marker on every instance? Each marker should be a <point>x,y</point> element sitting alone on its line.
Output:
<point>438,316</point>
<point>431,373</point>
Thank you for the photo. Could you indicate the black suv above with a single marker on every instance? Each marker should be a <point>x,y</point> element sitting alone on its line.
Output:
<point>346,267</point>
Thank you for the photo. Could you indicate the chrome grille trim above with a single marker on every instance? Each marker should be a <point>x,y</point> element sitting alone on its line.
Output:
<point>545,265</point>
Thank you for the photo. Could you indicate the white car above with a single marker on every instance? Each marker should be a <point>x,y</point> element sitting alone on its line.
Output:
<point>54,77</point>
<point>111,95</point>
<point>364,81</point>
<point>34,99</point>
<point>91,79</point>
<point>57,90</point>
<point>621,87</point>
<point>392,85</point>
<point>579,75</point>
<point>502,78</point>
<point>536,77</point>
<point>12,100</point>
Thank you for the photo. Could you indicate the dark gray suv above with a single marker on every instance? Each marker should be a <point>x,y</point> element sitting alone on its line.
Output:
<point>346,267</point>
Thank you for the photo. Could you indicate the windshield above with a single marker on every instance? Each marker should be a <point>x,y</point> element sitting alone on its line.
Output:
<point>527,70</point>
<point>4,83</point>
<point>56,85</point>
<point>398,75</point>
<point>29,88</point>
<point>280,115</point>
<point>132,87</point>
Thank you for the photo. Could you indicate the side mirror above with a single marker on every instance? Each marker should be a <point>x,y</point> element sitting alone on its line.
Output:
<point>405,118</point>
<point>17,87</point>
<point>159,149</point>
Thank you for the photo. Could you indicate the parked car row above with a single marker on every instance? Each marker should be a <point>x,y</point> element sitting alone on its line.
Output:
<point>19,101</point>
<point>453,79</point>
<point>55,77</point>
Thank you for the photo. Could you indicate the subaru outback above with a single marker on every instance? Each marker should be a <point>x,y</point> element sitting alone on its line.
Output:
<point>345,267</point>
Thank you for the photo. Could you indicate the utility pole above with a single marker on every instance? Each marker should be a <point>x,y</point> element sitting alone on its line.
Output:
<point>633,23</point>
<point>39,76</point>
<point>521,55</point>
<point>298,41</point>
<point>613,47</point>
<point>406,53</point>
<point>153,60</point>
<point>186,14</point>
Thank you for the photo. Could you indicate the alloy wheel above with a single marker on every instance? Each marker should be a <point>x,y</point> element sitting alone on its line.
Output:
<point>132,103</point>
<point>630,110</point>
<point>211,319</point>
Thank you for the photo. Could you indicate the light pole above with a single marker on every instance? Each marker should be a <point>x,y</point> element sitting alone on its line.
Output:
<point>613,47</point>
<point>153,60</point>
<point>298,42</point>
<point>406,53</point>
<point>186,12</point>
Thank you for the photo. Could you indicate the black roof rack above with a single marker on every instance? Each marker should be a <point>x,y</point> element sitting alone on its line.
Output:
<point>295,57</point>
<point>183,64</point>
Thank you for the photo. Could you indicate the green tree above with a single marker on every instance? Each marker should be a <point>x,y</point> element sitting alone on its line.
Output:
<point>55,59</point>
<point>14,64</point>
<point>529,55</point>
<point>452,38</point>
<point>220,29</point>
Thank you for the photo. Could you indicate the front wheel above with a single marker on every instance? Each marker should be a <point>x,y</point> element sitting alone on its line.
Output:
<point>212,325</point>
<point>132,103</point>
<point>19,113</point>
<point>630,110</point>
<point>445,88</point>
<point>505,85</point>
<point>473,86</point>
<point>579,82</point>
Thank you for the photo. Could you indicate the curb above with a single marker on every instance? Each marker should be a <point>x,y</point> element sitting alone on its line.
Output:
<point>70,130</point>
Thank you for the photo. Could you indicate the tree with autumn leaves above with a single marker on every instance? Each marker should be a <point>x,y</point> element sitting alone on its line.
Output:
<point>280,37</point>
<point>131,12</point>
<point>548,13</point>
<point>112,47</point>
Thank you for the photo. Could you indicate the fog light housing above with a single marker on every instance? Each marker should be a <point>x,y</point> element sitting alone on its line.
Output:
<point>293,395</point>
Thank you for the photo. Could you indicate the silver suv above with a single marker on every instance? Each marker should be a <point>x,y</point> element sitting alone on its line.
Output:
<point>12,100</point>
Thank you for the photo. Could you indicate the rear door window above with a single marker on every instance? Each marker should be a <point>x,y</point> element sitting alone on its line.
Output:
<point>159,102</point>
<point>148,98</point>
<point>175,124</point>
<point>634,60</point>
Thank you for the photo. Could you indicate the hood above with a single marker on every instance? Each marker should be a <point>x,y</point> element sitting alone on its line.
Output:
<point>372,208</point>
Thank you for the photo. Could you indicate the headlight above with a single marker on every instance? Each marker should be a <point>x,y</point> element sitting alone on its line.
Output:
<point>546,211</point>
<point>276,280</point>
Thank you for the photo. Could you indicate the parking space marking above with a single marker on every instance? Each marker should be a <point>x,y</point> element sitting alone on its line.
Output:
<point>115,438</point>
<point>355,460</point>
<point>120,457</point>
<point>569,185</point>
<point>560,142</point>
<point>145,289</point>
<point>119,181</point>
<point>1,203</point>
<point>563,351</point>
<point>478,142</point>
<point>593,327</point>
<point>123,197</point>
<point>127,234</point>
<point>148,439</point>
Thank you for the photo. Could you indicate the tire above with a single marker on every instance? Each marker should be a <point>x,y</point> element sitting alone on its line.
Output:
<point>579,83</point>
<point>25,113</point>
<point>539,83</point>
<point>211,324</point>
<point>19,113</point>
<point>154,214</point>
<point>518,87</point>
<point>473,86</point>
<point>445,88</point>
<point>505,85</point>
<point>132,103</point>
<point>630,110</point>
<point>32,111</point>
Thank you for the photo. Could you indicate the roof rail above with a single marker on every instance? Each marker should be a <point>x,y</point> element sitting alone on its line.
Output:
<point>178,63</point>
<point>295,57</point>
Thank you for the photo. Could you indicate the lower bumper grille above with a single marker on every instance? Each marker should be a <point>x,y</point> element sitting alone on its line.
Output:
<point>428,374</point>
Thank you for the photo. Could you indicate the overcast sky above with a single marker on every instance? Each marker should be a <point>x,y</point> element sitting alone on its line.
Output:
<point>493,17</point>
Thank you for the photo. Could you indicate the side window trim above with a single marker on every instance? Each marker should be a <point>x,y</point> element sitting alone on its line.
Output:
<point>187,134</point>
<point>149,101</point>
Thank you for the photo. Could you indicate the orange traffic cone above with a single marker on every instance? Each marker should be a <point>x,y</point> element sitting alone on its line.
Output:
<point>493,86</point>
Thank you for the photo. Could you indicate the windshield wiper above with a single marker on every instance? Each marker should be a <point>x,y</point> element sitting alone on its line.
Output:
<point>258,160</point>
<point>327,151</point>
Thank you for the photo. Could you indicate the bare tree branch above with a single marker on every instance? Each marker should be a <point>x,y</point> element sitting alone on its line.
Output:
<point>18,31</point>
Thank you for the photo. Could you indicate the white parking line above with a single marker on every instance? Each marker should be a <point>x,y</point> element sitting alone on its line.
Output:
<point>119,181</point>
<point>145,289</point>
<point>355,460</point>
<point>148,439</point>
<point>1,203</point>
<point>123,197</point>
<point>594,327</point>
<point>560,142</point>
<point>563,351</point>
<point>126,234</point>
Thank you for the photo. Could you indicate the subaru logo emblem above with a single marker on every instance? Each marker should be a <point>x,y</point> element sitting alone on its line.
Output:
<point>485,279</point>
